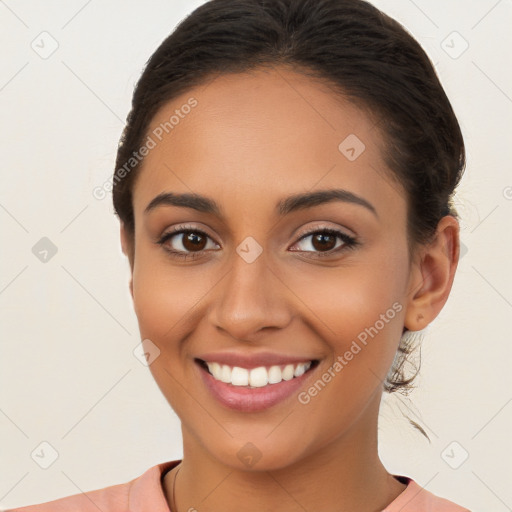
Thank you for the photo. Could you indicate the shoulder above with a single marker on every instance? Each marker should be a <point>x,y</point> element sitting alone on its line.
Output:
<point>145,489</point>
<point>417,499</point>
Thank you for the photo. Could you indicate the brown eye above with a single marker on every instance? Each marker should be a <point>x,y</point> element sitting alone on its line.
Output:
<point>193,241</point>
<point>183,243</point>
<point>323,242</point>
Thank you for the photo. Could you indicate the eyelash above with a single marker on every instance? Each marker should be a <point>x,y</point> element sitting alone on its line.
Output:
<point>349,241</point>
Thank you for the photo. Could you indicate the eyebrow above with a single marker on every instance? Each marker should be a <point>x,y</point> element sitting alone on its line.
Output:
<point>288,205</point>
<point>310,199</point>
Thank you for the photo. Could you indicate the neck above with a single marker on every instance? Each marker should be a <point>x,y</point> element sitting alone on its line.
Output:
<point>345,474</point>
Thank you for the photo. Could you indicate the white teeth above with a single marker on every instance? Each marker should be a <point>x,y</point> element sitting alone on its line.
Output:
<point>256,377</point>
<point>216,370</point>
<point>300,370</point>
<point>288,372</point>
<point>225,375</point>
<point>274,375</point>
<point>239,376</point>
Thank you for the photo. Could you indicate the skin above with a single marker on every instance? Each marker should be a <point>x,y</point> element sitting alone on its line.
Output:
<point>254,139</point>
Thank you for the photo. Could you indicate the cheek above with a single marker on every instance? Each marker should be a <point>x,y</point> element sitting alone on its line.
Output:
<point>349,299</point>
<point>358,312</point>
<point>166,296</point>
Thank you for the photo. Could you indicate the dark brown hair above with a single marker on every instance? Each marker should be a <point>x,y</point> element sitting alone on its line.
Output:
<point>350,45</point>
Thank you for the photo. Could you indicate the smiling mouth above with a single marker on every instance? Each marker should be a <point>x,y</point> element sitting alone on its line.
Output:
<point>259,377</point>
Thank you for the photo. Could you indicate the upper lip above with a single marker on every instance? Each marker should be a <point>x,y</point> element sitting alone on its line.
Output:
<point>246,360</point>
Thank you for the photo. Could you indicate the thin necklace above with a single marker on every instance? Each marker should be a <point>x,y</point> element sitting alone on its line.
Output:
<point>174,509</point>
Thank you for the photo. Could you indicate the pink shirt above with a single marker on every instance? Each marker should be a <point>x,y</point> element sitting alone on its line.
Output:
<point>145,494</point>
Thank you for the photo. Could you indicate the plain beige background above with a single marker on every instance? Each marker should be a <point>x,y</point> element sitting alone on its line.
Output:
<point>68,374</point>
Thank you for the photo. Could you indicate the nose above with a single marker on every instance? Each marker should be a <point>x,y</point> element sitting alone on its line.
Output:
<point>250,299</point>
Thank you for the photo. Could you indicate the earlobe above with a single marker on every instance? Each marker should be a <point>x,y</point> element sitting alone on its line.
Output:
<point>432,275</point>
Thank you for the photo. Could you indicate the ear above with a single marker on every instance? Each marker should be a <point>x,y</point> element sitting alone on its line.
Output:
<point>128,249</point>
<point>432,275</point>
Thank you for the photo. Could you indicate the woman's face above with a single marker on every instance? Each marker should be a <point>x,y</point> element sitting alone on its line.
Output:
<point>265,279</point>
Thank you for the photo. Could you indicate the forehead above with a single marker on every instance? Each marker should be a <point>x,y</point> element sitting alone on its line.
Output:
<point>262,135</point>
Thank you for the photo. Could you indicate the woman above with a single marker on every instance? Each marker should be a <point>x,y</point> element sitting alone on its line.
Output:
<point>284,184</point>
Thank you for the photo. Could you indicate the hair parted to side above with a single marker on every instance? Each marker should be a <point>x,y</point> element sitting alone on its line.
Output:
<point>360,53</point>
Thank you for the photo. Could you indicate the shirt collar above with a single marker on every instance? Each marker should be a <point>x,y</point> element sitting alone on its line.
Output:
<point>146,492</point>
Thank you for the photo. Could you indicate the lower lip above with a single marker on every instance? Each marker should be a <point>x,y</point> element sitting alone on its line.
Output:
<point>252,399</point>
